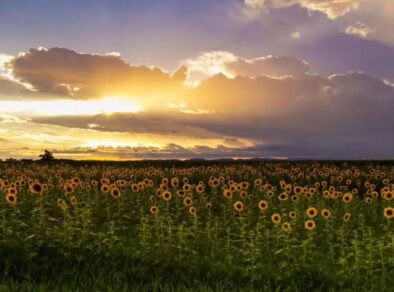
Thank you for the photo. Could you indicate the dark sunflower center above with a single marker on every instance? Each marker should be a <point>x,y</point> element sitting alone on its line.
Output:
<point>37,188</point>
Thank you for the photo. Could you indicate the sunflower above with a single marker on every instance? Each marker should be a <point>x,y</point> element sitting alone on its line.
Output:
<point>347,198</point>
<point>208,205</point>
<point>327,194</point>
<point>187,201</point>
<point>200,188</point>
<point>297,190</point>
<point>69,188</point>
<point>258,181</point>
<point>134,187</point>
<point>368,200</point>
<point>385,189</point>
<point>243,195</point>
<point>175,182</point>
<point>164,187</point>
<point>166,196</point>
<point>326,213</point>
<point>311,212</point>
<point>288,188</point>
<point>115,193</point>
<point>347,217</point>
<point>244,185</point>
<point>187,188</point>
<point>310,225</point>
<point>12,190</point>
<point>308,195</point>
<point>388,196</point>
<point>283,196</point>
<point>389,212</point>
<point>192,211</point>
<point>36,188</point>
<point>76,180</point>
<point>276,218</point>
<point>154,210</point>
<point>286,227</point>
<point>59,202</point>
<point>62,204</point>
<point>238,206</point>
<point>292,215</point>
<point>312,191</point>
<point>180,193</point>
<point>214,183</point>
<point>227,193</point>
<point>68,195</point>
<point>73,201</point>
<point>11,199</point>
<point>105,181</point>
<point>105,188</point>
<point>263,205</point>
<point>294,198</point>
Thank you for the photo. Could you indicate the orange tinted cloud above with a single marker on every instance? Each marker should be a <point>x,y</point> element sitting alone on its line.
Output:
<point>65,72</point>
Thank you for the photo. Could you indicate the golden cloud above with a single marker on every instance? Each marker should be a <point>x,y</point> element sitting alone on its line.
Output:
<point>63,72</point>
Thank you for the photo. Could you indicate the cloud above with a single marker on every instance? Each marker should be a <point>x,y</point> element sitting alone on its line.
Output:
<point>4,58</point>
<point>295,35</point>
<point>269,66</point>
<point>331,8</point>
<point>373,20</point>
<point>211,63</point>
<point>10,88</point>
<point>170,151</point>
<point>360,29</point>
<point>67,73</point>
<point>342,116</point>
<point>170,123</point>
<point>258,107</point>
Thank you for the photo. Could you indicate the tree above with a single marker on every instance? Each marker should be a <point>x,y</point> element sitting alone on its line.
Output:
<point>47,156</point>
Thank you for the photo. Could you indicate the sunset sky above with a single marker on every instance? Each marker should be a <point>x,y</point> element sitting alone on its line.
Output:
<point>208,78</point>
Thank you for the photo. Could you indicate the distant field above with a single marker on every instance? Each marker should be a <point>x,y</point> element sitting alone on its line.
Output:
<point>293,226</point>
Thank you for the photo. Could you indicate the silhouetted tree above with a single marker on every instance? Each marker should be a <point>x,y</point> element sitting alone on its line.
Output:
<point>47,156</point>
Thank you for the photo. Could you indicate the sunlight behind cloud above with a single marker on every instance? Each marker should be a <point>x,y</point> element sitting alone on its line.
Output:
<point>106,105</point>
<point>4,59</point>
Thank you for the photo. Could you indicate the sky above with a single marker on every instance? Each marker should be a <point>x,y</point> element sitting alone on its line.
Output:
<point>175,79</point>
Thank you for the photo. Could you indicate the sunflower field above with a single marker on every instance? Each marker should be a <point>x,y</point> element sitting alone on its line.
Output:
<point>261,226</point>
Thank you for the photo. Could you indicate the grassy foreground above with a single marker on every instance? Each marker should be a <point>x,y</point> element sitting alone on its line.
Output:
<point>300,226</point>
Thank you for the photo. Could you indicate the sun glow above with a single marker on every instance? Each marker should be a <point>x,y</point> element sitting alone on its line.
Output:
<point>106,105</point>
